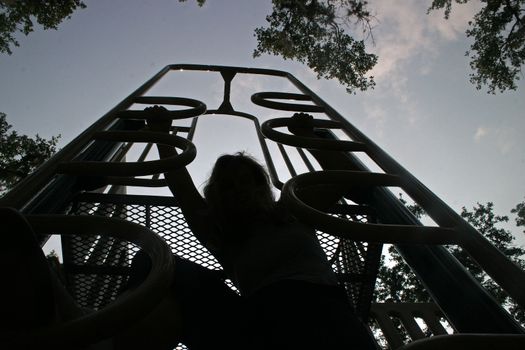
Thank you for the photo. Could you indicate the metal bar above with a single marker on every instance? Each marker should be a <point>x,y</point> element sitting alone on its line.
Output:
<point>305,159</point>
<point>127,199</point>
<point>215,68</point>
<point>148,216</point>
<point>389,330</point>
<point>185,129</point>
<point>145,152</point>
<point>262,142</point>
<point>411,326</point>
<point>287,160</point>
<point>432,321</point>
<point>193,126</point>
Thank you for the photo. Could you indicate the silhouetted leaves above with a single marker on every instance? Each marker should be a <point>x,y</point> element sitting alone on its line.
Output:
<point>519,210</point>
<point>316,32</point>
<point>20,155</point>
<point>498,51</point>
<point>18,16</point>
<point>396,282</point>
<point>312,32</point>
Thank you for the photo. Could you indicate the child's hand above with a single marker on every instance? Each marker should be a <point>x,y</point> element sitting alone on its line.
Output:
<point>158,119</point>
<point>301,124</point>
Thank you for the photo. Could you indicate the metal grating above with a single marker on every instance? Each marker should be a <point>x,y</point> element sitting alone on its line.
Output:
<point>355,263</point>
<point>96,268</point>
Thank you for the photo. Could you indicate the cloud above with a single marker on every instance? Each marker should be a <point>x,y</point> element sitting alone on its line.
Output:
<point>399,35</point>
<point>405,32</point>
<point>408,42</point>
<point>376,117</point>
<point>480,133</point>
<point>457,23</point>
<point>502,138</point>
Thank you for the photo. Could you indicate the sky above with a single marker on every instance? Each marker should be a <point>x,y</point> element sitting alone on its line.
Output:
<point>467,146</point>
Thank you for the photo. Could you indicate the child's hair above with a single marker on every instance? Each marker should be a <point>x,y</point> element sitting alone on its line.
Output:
<point>239,190</point>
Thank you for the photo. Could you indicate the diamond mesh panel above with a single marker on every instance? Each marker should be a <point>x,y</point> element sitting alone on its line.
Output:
<point>355,263</point>
<point>98,266</point>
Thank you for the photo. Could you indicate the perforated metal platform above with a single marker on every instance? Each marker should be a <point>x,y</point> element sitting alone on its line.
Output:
<point>97,268</point>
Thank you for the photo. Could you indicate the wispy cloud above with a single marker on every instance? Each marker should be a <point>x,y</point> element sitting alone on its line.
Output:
<point>502,138</point>
<point>404,32</point>
<point>457,23</point>
<point>376,117</point>
<point>408,41</point>
<point>480,133</point>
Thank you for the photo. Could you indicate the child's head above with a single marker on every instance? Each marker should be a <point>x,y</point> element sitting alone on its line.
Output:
<point>239,188</point>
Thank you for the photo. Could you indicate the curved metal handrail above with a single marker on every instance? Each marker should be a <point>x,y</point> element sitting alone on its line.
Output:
<point>261,99</point>
<point>197,108</point>
<point>267,129</point>
<point>95,168</point>
<point>346,180</point>
<point>122,312</point>
<point>469,341</point>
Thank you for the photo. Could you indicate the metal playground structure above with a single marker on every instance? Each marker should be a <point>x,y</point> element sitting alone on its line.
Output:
<point>98,242</point>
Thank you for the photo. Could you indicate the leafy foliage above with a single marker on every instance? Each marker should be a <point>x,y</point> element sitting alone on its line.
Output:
<point>18,16</point>
<point>498,51</point>
<point>315,32</point>
<point>20,155</point>
<point>519,210</point>
<point>199,2</point>
<point>312,32</point>
<point>396,282</point>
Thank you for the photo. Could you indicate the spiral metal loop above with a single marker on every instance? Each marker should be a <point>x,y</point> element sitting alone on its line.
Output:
<point>262,99</point>
<point>196,108</point>
<point>383,233</point>
<point>267,129</point>
<point>128,308</point>
<point>96,168</point>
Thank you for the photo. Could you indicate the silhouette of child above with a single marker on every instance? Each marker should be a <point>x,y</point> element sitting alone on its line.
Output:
<point>291,294</point>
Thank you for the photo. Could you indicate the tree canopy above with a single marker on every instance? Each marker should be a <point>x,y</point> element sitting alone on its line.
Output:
<point>519,210</point>
<point>498,49</point>
<point>19,16</point>
<point>20,155</point>
<point>322,34</point>
<point>397,283</point>
<point>313,32</point>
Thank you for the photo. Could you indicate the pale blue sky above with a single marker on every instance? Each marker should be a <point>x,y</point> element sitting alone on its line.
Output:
<point>464,144</point>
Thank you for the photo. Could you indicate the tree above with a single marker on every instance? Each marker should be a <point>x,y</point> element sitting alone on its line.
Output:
<point>18,16</point>
<point>519,210</point>
<point>312,32</point>
<point>498,51</point>
<point>20,155</point>
<point>389,285</point>
<point>408,289</point>
<point>320,34</point>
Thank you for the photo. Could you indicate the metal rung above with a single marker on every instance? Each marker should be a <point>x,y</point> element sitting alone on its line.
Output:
<point>132,181</point>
